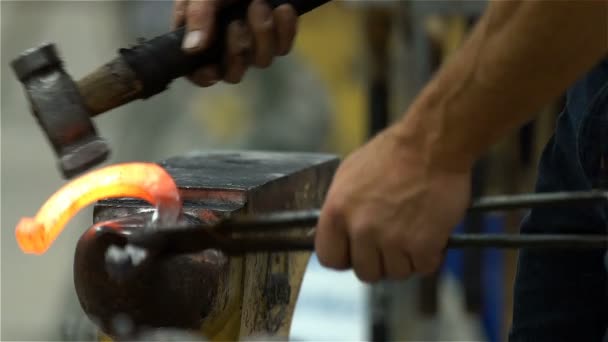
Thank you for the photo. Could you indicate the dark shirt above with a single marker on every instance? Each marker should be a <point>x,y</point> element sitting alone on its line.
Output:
<point>563,295</point>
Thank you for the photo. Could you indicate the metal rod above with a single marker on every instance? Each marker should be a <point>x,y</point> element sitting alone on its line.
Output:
<point>456,241</point>
<point>309,218</point>
<point>273,221</point>
<point>539,200</point>
<point>538,241</point>
<point>194,238</point>
<point>222,236</point>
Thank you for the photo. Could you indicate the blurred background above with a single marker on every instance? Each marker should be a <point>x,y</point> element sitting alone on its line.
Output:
<point>355,67</point>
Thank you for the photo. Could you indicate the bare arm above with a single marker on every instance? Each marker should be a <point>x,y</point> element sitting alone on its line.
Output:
<point>520,56</point>
<point>394,202</point>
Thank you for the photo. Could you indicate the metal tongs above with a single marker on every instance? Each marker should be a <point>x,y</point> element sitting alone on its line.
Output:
<point>293,230</point>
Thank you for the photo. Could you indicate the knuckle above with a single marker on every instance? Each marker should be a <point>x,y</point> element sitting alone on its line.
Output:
<point>335,209</point>
<point>264,26</point>
<point>260,15</point>
<point>239,39</point>
<point>391,239</point>
<point>361,230</point>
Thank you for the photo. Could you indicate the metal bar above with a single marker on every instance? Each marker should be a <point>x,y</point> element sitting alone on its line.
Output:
<point>285,219</point>
<point>538,241</point>
<point>188,239</point>
<point>540,200</point>
<point>185,243</point>
<point>195,238</point>
<point>309,218</point>
<point>456,241</point>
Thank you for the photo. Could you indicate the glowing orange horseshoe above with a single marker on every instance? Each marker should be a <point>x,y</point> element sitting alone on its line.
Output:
<point>146,181</point>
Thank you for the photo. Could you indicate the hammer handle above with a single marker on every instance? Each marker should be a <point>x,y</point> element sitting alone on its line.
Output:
<point>148,68</point>
<point>157,62</point>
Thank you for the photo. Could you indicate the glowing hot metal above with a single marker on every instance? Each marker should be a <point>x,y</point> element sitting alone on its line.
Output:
<point>146,181</point>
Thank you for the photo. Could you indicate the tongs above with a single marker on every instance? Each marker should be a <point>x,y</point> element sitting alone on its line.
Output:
<point>293,230</point>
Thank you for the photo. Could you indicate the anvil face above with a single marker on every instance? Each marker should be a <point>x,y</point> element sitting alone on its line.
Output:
<point>189,291</point>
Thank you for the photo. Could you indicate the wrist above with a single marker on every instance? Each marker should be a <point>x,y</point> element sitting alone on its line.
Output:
<point>428,129</point>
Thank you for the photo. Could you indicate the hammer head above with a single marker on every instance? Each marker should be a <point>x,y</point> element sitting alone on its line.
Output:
<point>60,110</point>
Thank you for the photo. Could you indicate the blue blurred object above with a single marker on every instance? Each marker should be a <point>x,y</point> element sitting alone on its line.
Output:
<point>492,278</point>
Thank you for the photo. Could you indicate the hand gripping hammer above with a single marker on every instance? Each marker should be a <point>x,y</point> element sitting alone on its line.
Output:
<point>63,107</point>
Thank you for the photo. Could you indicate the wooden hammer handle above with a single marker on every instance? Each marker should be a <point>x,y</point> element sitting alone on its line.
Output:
<point>110,86</point>
<point>148,68</point>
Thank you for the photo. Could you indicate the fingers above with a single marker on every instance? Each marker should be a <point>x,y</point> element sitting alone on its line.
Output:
<point>206,76</point>
<point>374,253</point>
<point>267,33</point>
<point>261,23</point>
<point>179,13</point>
<point>236,59</point>
<point>331,240</point>
<point>285,22</point>
<point>200,22</point>
<point>365,256</point>
<point>397,264</point>
<point>238,53</point>
<point>426,258</point>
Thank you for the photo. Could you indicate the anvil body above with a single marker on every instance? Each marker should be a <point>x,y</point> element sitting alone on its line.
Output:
<point>225,298</point>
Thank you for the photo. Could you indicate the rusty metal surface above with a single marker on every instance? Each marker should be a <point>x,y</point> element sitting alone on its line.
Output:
<point>191,290</point>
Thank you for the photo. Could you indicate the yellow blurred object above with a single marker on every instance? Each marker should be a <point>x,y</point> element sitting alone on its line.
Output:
<point>101,337</point>
<point>330,40</point>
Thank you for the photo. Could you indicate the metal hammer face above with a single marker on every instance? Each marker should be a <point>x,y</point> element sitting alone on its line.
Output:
<point>60,110</point>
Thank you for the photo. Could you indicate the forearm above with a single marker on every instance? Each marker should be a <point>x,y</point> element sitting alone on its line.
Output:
<point>520,56</point>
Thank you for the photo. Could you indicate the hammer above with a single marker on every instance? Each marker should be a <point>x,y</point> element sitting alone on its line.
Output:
<point>63,107</point>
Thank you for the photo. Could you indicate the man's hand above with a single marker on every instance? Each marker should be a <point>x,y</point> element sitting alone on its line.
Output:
<point>388,214</point>
<point>394,202</point>
<point>264,34</point>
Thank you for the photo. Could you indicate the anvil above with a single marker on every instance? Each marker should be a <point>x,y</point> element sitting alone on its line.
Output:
<point>220,297</point>
<point>192,285</point>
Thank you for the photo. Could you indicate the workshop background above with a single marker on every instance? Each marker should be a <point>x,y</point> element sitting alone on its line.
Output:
<point>355,67</point>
